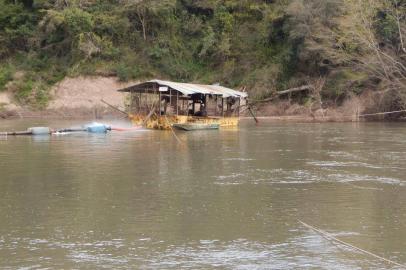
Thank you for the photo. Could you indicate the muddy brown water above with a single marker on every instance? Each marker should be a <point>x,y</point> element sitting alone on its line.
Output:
<point>228,199</point>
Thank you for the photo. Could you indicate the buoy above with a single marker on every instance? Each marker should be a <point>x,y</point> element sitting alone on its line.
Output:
<point>39,130</point>
<point>97,128</point>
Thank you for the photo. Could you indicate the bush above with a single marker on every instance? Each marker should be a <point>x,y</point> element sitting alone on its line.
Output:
<point>24,91</point>
<point>6,75</point>
<point>41,96</point>
<point>125,73</point>
<point>343,83</point>
<point>32,91</point>
<point>387,28</point>
<point>78,21</point>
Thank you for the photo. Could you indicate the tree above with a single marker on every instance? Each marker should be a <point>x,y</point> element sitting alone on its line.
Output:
<point>145,10</point>
<point>17,26</point>
<point>376,45</point>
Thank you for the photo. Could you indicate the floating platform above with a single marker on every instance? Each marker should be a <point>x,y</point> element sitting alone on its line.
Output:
<point>158,104</point>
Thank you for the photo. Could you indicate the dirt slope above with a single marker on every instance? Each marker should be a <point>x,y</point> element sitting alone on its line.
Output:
<point>86,93</point>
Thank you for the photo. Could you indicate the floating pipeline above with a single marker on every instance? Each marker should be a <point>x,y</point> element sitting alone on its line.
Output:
<point>90,128</point>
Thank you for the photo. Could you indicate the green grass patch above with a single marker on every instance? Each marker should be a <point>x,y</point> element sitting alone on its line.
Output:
<point>33,92</point>
<point>125,73</point>
<point>6,75</point>
<point>24,91</point>
<point>41,95</point>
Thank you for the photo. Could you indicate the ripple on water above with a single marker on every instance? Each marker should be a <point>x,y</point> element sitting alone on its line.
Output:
<point>344,178</point>
<point>281,176</point>
<point>305,251</point>
<point>237,159</point>
<point>343,164</point>
<point>105,261</point>
<point>271,176</point>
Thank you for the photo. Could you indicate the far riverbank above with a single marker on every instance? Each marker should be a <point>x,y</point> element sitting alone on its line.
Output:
<point>82,98</point>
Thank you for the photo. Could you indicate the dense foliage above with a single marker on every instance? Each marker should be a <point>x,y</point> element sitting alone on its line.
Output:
<point>262,45</point>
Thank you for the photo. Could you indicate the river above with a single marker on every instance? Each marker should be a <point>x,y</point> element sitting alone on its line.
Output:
<point>227,199</point>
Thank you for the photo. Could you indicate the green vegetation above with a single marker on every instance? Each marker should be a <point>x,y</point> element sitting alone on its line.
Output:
<point>6,75</point>
<point>262,45</point>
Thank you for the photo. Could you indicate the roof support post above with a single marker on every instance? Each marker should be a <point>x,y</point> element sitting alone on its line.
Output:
<point>147,100</point>
<point>170,98</point>
<point>238,107</point>
<point>215,107</point>
<point>131,101</point>
<point>222,106</point>
<point>159,103</point>
<point>177,99</point>
<point>140,103</point>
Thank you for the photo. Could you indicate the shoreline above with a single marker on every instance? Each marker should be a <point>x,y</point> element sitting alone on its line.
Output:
<point>67,114</point>
<point>303,118</point>
<point>107,113</point>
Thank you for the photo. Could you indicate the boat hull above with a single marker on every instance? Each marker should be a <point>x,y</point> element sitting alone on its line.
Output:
<point>196,126</point>
<point>164,122</point>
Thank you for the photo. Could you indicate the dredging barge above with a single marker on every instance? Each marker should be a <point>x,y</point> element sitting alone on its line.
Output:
<point>158,104</point>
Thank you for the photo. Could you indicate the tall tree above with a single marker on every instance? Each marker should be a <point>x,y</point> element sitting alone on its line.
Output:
<point>375,43</point>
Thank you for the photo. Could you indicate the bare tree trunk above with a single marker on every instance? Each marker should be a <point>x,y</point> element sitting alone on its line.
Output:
<point>402,46</point>
<point>287,91</point>
<point>141,17</point>
<point>144,31</point>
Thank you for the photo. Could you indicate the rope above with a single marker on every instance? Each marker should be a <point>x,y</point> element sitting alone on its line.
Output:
<point>173,132</point>
<point>149,115</point>
<point>381,113</point>
<point>330,237</point>
<point>114,107</point>
<point>253,115</point>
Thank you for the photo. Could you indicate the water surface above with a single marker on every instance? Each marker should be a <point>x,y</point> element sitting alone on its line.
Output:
<point>228,199</point>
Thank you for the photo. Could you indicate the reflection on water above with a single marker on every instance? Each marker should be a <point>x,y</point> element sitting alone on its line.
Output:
<point>227,199</point>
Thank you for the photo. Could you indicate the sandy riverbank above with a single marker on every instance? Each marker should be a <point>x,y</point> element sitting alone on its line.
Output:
<point>79,97</point>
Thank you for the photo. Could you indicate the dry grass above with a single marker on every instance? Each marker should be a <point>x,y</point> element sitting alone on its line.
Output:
<point>348,111</point>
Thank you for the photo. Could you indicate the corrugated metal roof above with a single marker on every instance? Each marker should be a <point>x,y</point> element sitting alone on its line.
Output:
<point>188,88</point>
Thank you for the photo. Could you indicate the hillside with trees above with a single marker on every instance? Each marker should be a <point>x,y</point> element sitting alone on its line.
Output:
<point>341,48</point>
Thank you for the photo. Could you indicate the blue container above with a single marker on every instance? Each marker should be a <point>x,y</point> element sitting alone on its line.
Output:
<point>40,130</point>
<point>97,128</point>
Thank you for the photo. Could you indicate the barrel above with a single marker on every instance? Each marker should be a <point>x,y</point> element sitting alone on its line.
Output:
<point>39,130</point>
<point>97,128</point>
